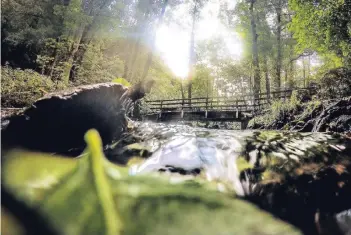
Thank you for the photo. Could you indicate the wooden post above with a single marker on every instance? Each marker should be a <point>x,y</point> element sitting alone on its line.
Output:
<point>285,93</point>
<point>244,124</point>
<point>160,114</point>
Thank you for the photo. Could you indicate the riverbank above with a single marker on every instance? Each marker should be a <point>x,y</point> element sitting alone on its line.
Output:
<point>312,116</point>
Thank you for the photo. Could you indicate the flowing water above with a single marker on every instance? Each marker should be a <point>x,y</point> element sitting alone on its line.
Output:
<point>189,148</point>
<point>295,176</point>
<point>216,152</point>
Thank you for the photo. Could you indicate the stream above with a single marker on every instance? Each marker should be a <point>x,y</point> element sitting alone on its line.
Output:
<point>295,176</point>
<point>223,154</point>
<point>189,150</point>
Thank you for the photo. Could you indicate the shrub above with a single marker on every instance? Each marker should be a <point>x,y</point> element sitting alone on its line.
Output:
<point>336,83</point>
<point>22,87</point>
<point>277,110</point>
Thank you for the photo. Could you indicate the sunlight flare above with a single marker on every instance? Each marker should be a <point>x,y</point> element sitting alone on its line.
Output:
<point>172,40</point>
<point>173,44</point>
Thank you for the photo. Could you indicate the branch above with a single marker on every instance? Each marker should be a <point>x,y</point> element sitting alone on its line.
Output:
<point>303,54</point>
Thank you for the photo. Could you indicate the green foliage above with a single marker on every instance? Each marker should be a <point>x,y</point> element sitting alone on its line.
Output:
<point>202,82</point>
<point>277,109</point>
<point>309,108</point>
<point>323,26</point>
<point>97,67</point>
<point>90,194</point>
<point>336,83</point>
<point>166,85</point>
<point>122,81</point>
<point>22,87</point>
<point>83,42</point>
<point>52,60</point>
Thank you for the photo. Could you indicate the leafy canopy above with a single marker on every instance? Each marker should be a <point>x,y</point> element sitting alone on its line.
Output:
<point>324,26</point>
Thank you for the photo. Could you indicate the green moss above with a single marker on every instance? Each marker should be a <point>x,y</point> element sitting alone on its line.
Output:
<point>243,164</point>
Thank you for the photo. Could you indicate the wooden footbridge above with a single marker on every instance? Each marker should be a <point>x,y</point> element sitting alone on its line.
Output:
<point>234,109</point>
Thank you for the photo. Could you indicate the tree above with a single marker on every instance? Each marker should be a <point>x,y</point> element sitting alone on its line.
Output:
<point>152,50</point>
<point>255,62</point>
<point>278,10</point>
<point>25,25</point>
<point>323,26</point>
<point>195,15</point>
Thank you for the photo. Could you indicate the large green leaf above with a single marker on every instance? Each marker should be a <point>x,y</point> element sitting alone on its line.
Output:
<point>90,195</point>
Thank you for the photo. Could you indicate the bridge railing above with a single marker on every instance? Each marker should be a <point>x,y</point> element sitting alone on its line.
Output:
<point>246,103</point>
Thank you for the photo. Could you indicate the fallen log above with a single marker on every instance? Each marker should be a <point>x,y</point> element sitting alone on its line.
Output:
<point>57,122</point>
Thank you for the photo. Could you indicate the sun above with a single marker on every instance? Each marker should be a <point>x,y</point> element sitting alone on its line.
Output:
<point>173,45</point>
<point>172,40</point>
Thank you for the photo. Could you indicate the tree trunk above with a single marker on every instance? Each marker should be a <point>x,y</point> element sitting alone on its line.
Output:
<point>53,65</point>
<point>70,60</point>
<point>192,52</point>
<point>135,53</point>
<point>292,66</point>
<point>126,61</point>
<point>292,75</point>
<point>265,68</point>
<point>182,91</point>
<point>308,70</point>
<point>257,79</point>
<point>279,49</point>
<point>304,71</point>
<point>151,52</point>
<point>286,77</point>
<point>142,27</point>
<point>85,38</point>
<point>80,52</point>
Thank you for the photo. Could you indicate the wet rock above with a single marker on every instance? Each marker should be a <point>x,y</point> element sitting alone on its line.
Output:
<point>57,122</point>
<point>332,116</point>
<point>336,117</point>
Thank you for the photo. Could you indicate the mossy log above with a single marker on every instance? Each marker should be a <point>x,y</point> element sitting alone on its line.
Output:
<point>57,122</point>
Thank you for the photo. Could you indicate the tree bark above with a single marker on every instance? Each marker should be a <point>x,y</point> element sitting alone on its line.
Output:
<point>192,52</point>
<point>278,10</point>
<point>53,65</point>
<point>265,68</point>
<point>304,72</point>
<point>85,38</point>
<point>292,66</point>
<point>135,53</point>
<point>257,79</point>
<point>308,70</point>
<point>78,55</point>
<point>142,27</point>
<point>126,61</point>
<point>70,60</point>
<point>182,91</point>
<point>151,52</point>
